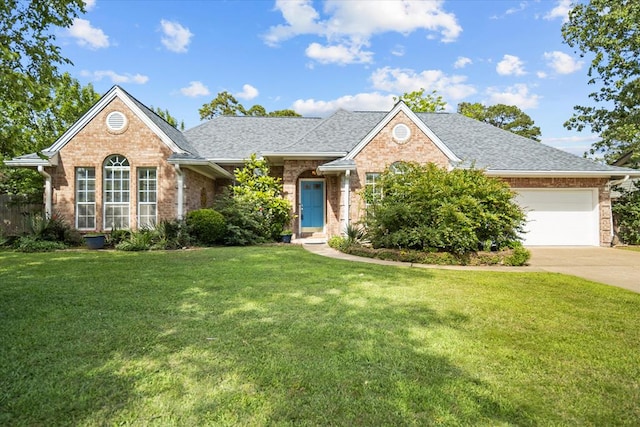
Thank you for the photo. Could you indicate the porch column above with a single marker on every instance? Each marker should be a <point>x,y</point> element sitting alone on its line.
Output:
<point>347,198</point>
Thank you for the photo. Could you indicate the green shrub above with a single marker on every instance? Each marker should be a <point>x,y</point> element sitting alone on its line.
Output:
<point>141,240</point>
<point>338,243</point>
<point>33,244</point>
<point>519,256</point>
<point>172,234</point>
<point>206,226</point>
<point>626,212</point>
<point>260,192</point>
<point>426,207</point>
<point>244,224</point>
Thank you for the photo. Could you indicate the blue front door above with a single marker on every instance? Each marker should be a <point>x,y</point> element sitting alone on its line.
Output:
<point>312,205</point>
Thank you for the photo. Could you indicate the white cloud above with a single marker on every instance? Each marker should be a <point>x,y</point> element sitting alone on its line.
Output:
<point>248,92</point>
<point>115,77</point>
<point>86,35</point>
<point>89,4</point>
<point>338,54</point>
<point>195,89</point>
<point>349,25</point>
<point>561,10</point>
<point>562,63</point>
<point>399,81</point>
<point>362,101</point>
<point>398,50</point>
<point>517,95</point>
<point>176,37</point>
<point>541,75</point>
<point>462,62</point>
<point>510,65</point>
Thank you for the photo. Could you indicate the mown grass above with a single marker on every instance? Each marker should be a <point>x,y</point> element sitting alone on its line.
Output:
<point>277,336</point>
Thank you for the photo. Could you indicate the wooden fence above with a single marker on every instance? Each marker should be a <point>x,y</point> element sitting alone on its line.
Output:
<point>14,214</point>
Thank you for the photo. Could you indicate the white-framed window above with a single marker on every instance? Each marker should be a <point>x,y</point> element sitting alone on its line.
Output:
<point>85,198</point>
<point>116,192</point>
<point>373,187</point>
<point>147,197</point>
<point>397,167</point>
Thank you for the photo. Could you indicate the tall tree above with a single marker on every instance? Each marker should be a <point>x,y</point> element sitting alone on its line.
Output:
<point>225,104</point>
<point>166,115</point>
<point>507,117</point>
<point>61,108</point>
<point>29,60</point>
<point>609,31</point>
<point>419,102</point>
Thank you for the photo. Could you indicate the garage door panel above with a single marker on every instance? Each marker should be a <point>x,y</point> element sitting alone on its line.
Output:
<point>560,217</point>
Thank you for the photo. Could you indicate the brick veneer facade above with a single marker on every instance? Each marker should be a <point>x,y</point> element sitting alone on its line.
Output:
<point>93,144</point>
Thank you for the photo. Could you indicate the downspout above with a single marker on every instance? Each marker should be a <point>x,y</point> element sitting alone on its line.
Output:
<point>347,197</point>
<point>611,184</point>
<point>180,196</point>
<point>47,191</point>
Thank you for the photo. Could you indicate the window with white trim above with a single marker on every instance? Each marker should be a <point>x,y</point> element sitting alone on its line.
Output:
<point>147,197</point>
<point>373,188</point>
<point>85,198</point>
<point>116,192</point>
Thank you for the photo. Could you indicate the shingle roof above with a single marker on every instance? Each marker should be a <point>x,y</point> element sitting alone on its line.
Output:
<point>174,134</point>
<point>231,137</point>
<point>491,148</point>
<point>476,143</point>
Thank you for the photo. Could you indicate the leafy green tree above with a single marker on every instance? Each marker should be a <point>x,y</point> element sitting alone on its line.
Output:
<point>626,213</point>
<point>507,117</point>
<point>29,60</point>
<point>426,207</point>
<point>62,107</point>
<point>168,117</point>
<point>284,113</point>
<point>225,104</point>
<point>263,192</point>
<point>419,102</point>
<point>609,32</point>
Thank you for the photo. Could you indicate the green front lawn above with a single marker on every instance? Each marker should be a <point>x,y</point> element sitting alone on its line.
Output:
<point>278,336</point>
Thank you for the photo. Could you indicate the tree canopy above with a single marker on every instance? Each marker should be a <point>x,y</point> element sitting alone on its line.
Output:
<point>29,61</point>
<point>419,102</point>
<point>166,115</point>
<point>507,117</point>
<point>609,32</point>
<point>225,104</point>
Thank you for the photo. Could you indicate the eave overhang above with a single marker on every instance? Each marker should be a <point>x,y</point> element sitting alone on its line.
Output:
<point>560,174</point>
<point>202,166</point>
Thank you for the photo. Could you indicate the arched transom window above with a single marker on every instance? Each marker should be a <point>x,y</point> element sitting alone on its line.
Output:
<point>116,192</point>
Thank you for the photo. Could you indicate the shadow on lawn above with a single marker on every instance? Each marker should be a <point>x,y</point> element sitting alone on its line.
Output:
<point>245,338</point>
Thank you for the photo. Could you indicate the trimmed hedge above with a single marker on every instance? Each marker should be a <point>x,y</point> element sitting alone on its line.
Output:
<point>206,226</point>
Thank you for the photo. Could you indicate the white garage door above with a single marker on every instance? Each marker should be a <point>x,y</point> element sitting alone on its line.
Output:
<point>560,217</point>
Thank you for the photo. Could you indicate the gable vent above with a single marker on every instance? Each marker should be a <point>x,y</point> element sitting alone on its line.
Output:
<point>116,121</point>
<point>401,132</point>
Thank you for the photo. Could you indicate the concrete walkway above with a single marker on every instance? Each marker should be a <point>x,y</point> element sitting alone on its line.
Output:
<point>611,266</point>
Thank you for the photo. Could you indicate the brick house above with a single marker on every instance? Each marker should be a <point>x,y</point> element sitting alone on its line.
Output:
<point>122,165</point>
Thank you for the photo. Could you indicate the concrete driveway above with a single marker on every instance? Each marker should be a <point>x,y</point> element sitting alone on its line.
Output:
<point>611,266</point>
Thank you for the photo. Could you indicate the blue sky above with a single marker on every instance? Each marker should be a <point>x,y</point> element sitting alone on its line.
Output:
<point>318,56</point>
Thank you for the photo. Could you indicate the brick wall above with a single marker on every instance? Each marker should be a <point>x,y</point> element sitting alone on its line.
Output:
<point>383,150</point>
<point>93,144</point>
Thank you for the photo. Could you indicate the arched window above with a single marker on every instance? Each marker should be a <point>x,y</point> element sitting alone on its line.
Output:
<point>398,167</point>
<point>116,192</point>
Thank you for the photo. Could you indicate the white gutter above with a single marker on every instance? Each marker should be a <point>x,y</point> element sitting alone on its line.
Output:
<point>180,191</point>
<point>347,197</point>
<point>47,191</point>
